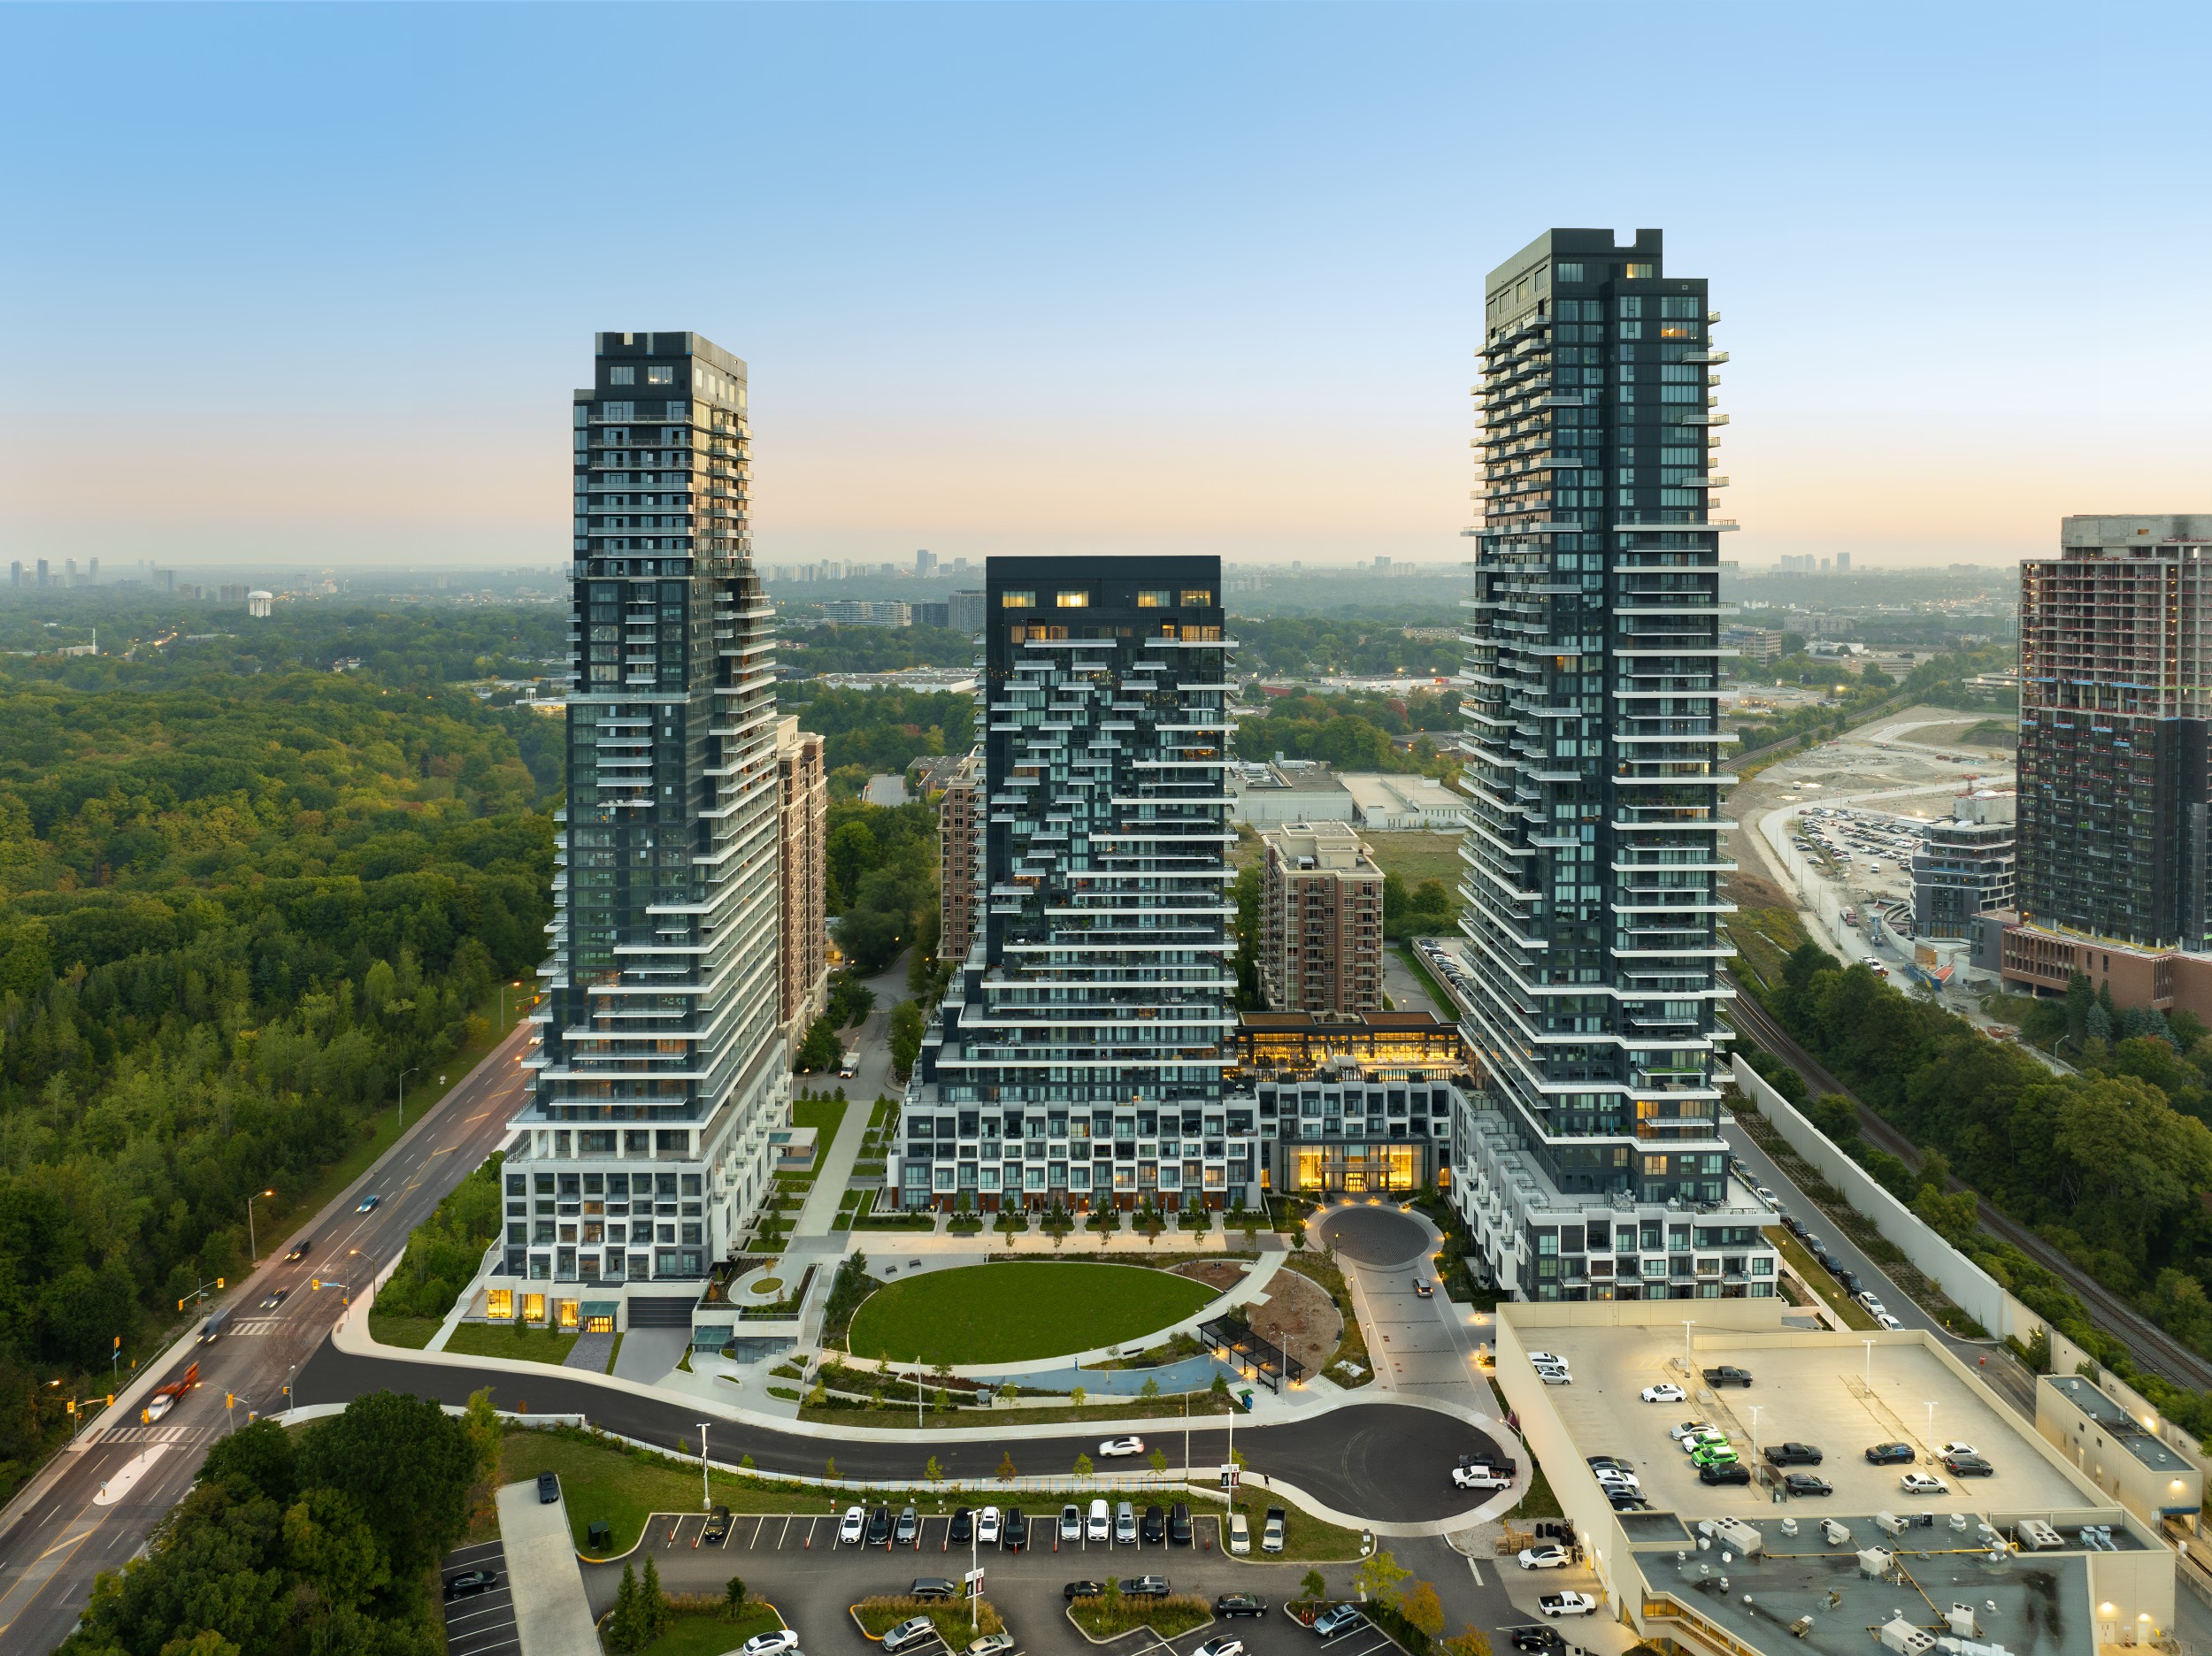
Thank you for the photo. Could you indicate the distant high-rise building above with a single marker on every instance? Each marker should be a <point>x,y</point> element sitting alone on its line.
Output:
<point>44,575</point>
<point>1594,845</point>
<point>660,1065</point>
<point>15,574</point>
<point>1321,919</point>
<point>925,561</point>
<point>1077,1058</point>
<point>964,612</point>
<point>93,571</point>
<point>1843,562</point>
<point>2115,703</point>
<point>802,920</point>
<point>934,615</point>
<point>961,815</point>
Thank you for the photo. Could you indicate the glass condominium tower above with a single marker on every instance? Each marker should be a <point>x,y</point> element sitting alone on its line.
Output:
<point>659,1070</point>
<point>1078,1057</point>
<point>1590,687</point>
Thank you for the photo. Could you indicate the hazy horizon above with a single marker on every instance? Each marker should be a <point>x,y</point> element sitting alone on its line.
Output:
<point>315,287</point>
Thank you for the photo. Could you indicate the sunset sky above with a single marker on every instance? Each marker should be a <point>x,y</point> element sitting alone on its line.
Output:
<point>311,285</point>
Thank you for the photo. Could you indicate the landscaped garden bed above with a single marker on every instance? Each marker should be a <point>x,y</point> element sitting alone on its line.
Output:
<point>1113,1613</point>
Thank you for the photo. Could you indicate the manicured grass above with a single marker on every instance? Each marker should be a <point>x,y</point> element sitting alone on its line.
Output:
<point>1854,1315</point>
<point>1170,1617</point>
<point>1419,968</point>
<point>412,1331</point>
<point>1012,1312</point>
<point>824,1116</point>
<point>1416,856</point>
<point>1308,1539</point>
<point>707,1634</point>
<point>532,1345</point>
<point>1537,1500</point>
<point>878,1615</point>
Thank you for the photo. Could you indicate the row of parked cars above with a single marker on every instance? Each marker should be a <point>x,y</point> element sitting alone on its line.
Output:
<point>1113,1523</point>
<point>1818,1248</point>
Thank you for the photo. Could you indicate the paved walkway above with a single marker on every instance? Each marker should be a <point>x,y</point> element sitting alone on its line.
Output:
<point>590,1353</point>
<point>833,1164</point>
<point>648,1354</point>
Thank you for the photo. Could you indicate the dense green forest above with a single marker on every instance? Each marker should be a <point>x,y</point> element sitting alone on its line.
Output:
<point>869,731</point>
<point>1359,642</point>
<point>829,648</point>
<point>233,909</point>
<point>2113,1165</point>
<point>394,643</point>
<point>320,1543</point>
<point>1353,731</point>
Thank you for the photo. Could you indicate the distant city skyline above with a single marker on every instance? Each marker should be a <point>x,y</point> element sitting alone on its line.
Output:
<point>1067,278</point>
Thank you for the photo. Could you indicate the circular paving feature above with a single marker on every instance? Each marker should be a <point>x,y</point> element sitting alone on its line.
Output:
<point>1374,1236</point>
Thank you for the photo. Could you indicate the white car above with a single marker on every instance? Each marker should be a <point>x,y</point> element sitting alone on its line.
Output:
<point>1479,1477</point>
<point>771,1643</point>
<point>1545,1558</point>
<point>1945,1450</point>
<point>1553,1358</point>
<point>1567,1604</point>
<point>1551,1375</point>
<point>1887,1321</point>
<point>1668,1392</point>
<point>1115,1446</point>
<point>1706,1439</point>
<point>1921,1483</point>
<point>1687,1428</point>
<point>986,1527</point>
<point>1221,1644</point>
<point>855,1526</point>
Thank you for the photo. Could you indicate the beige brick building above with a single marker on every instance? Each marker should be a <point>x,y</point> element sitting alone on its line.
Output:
<point>1321,900</point>
<point>960,818</point>
<point>803,821</point>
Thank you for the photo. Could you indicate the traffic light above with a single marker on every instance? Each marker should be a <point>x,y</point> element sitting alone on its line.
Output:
<point>229,1400</point>
<point>119,1342</point>
<point>315,1284</point>
<point>110,1399</point>
<point>72,1406</point>
<point>180,1305</point>
<point>218,1281</point>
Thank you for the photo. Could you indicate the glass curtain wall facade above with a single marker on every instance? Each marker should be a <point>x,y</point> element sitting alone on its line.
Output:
<point>659,1068</point>
<point>1590,687</point>
<point>1079,1053</point>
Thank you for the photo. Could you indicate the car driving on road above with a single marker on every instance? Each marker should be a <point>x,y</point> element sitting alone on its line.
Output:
<point>1114,1447</point>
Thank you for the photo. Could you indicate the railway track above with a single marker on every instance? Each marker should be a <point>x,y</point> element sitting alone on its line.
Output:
<point>2153,1347</point>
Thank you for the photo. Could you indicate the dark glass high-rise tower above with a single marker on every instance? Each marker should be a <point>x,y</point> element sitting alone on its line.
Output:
<point>1591,686</point>
<point>660,1069</point>
<point>1079,1053</point>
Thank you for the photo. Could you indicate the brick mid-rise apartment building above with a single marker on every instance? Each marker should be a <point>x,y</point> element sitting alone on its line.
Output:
<point>959,843</point>
<point>1321,900</point>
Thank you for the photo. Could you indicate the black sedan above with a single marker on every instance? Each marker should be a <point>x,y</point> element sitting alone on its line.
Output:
<point>1240,1605</point>
<point>1892,1454</point>
<point>470,1583</point>
<point>962,1526</point>
<point>1806,1483</point>
<point>1083,1589</point>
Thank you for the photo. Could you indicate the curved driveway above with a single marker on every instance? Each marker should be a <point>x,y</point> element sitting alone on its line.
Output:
<point>1382,1461</point>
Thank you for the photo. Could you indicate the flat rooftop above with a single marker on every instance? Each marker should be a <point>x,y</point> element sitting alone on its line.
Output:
<point>1825,1601</point>
<point>2122,1427</point>
<point>1841,1398</point>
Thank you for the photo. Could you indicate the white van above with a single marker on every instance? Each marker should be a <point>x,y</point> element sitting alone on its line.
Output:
<point>1101,1524</point>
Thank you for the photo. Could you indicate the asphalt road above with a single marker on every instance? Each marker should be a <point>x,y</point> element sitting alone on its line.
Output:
<point>111,1493</point>
<point>795,1565</point>
<point>1378,1461</point>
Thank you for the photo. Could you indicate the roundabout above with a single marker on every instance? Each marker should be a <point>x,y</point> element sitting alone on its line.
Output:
<point>1378,1236</point>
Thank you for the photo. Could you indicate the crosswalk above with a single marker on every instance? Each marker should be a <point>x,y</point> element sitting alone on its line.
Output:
<point>157,1434</point>
<point>250,1326</point>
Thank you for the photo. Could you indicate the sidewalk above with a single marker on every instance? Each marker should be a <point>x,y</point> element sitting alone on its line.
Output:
<point>834,1169</point>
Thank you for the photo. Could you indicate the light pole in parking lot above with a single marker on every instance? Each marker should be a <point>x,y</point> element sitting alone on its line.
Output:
<point>1870,1363</point>
<point>706,1503</point>
<point>1687,1361</point>
<point>1755,1407</point>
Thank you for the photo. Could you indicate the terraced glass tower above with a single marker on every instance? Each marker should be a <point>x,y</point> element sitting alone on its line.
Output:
<point>1590,691</point>
<point>659,1070</point>
<point>1078,1056</point>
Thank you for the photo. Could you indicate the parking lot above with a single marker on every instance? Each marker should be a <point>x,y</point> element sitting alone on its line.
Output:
<point>482,1624</point>
<point>1818,1395</point>
<point>796,1564</point>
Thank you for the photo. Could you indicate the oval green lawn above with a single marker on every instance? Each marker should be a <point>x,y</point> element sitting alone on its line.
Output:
<point>1019,1309</point>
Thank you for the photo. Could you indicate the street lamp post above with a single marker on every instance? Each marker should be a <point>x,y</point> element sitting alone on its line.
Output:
<point>1931,1429</point>
<point>1755,1409</point>
<point>705,1495</point>
<point>1688,1362</point>
<point>253,1246</point>
<point>403,1074</point>
<point>1870,1363</point>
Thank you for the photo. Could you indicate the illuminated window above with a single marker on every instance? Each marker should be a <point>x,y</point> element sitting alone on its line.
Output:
<point>1637,272</point>
<point>499,1303</point>
<point>1072,600</point>
<point>534,1308</point>
<point>1154,600</point>
<point>1017,600</point>
<point>660,376</point>
<point>1197,595</point>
